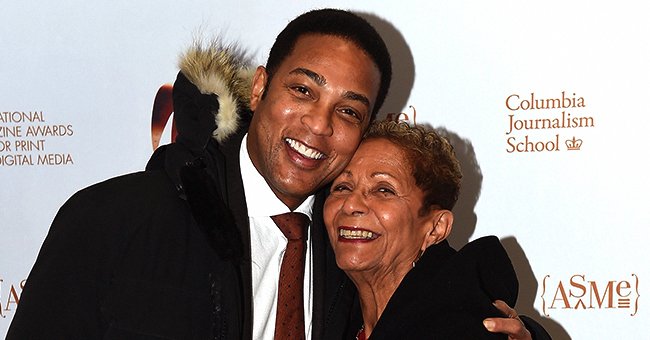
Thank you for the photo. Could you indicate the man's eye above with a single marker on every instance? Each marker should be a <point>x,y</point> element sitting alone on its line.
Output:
<point>351,113</point>
<point>301,90</point>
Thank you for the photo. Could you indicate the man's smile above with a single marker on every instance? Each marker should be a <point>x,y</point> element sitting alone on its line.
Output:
<point>304,150</point>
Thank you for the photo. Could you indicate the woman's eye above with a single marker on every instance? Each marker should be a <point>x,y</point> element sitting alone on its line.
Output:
<point>386,191</point>
<point>340,188</point>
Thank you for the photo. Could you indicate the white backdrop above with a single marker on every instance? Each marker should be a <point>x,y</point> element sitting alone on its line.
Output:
<point>78,81</point>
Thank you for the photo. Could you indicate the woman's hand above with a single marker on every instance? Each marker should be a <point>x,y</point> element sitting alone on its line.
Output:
<point>512,325</point>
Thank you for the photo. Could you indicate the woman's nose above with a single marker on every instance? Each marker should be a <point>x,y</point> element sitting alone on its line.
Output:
<point>355,204</point>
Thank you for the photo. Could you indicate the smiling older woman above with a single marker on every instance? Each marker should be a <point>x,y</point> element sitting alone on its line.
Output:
<point>387,216</point>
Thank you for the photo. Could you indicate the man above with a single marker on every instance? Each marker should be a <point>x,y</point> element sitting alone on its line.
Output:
<point>188,249</point>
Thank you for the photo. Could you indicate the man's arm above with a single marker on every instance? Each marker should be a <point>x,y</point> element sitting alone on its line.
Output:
<point>517,327</point>
<point>60,296</point>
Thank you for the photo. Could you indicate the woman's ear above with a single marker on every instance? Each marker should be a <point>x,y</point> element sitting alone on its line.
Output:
<point>439,228</point>
<point>258,87</point>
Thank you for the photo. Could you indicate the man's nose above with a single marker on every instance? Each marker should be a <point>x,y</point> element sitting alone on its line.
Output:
<point>319,120</point>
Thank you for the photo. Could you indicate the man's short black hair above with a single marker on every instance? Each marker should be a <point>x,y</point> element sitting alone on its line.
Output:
<point>342,24</point>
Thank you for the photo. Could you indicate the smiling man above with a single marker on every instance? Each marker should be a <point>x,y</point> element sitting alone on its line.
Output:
<point>310,117</point>
<point>189,248</point>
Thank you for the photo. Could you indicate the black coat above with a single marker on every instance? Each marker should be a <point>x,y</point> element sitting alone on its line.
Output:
<point>164,253</point>
<point>448,294</point>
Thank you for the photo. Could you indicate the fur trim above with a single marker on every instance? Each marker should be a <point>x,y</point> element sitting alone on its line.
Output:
<point>224,70</point>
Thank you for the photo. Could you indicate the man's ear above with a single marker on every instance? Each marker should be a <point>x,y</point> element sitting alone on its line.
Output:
<point>258,87</point>
<point>439,227</point>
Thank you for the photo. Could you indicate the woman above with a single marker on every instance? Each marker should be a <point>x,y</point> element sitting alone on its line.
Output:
<point>388,215</point>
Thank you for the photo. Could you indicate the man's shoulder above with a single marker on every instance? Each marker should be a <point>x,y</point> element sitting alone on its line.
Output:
<point>136,183</point>
<point>134,192</point>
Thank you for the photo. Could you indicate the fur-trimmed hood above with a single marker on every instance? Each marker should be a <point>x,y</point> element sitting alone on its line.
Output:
<point>224,70</point>
<point>211,99</point>
<point>211,103</point>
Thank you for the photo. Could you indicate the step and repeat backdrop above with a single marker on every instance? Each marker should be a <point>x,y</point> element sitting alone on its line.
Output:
<point>545,102</point>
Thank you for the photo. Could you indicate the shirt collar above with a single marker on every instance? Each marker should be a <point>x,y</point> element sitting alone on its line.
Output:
<point>260,199</point>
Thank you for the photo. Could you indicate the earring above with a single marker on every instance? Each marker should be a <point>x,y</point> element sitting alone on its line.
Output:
<point>418,257</point>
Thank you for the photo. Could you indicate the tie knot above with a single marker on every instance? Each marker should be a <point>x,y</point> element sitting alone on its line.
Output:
<point>293,225</point>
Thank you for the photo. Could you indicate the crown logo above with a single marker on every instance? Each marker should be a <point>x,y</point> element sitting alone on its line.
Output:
<point>573,144</point>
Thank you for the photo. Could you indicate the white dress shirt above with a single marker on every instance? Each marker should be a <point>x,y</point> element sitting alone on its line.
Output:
<point>268,245</point>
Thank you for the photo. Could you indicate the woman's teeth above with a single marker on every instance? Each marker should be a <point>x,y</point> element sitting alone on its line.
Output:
<point>355,234</point>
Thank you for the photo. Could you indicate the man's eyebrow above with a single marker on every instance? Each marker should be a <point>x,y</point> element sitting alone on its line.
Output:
<point>357,97</point>
<point>317,78</point>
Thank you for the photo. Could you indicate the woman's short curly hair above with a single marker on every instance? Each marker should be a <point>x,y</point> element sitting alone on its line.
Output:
<point>432,159</point>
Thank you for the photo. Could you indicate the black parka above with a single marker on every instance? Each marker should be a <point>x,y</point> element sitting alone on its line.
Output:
<point>165,253</point>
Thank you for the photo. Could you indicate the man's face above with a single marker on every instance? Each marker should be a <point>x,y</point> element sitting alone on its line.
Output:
<point>311,119</point>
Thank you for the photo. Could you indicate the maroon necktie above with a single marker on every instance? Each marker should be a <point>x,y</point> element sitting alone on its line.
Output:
<point>290,317</point>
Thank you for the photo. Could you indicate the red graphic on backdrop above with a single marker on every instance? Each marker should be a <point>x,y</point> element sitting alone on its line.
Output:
<point>163,107</point>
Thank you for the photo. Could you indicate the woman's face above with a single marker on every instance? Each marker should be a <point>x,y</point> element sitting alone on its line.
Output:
<point>371,214</point>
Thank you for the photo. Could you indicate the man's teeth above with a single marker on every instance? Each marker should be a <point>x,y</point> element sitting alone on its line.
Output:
<point>304,150</point>
<point>357,234</point>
